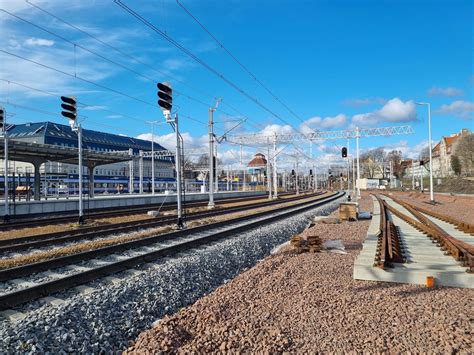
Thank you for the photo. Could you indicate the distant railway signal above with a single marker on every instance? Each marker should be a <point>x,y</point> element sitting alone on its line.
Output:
<point>293,172</point>
<point>344,152</point>
<point>165,93</point>
<point>310,172</point>
<point>422,163</point>
<point>69,106</point>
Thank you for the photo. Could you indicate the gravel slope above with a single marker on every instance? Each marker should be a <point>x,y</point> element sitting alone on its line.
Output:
<point>114,314</point>
<point>309,303</point>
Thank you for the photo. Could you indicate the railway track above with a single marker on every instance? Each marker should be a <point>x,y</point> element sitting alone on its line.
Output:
<point>37,220</point>
<point>124,256</point>
<point>460,250</point>
<point>389,246</point>
<point>87,233</point>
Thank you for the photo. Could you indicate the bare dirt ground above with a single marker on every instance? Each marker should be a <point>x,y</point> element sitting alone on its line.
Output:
<point>308,303</point>
<point>458,207</point>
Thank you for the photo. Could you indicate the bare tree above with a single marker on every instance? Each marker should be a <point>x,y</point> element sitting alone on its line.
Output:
<point>203,160</point>
<point>464,150</point>
<point>372,162</point>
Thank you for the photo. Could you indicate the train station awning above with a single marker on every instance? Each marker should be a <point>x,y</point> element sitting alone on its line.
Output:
<point>36,153</point>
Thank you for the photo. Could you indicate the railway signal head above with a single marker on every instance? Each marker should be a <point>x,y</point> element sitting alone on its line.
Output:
<point>422,163</point>
<point>293,172</point>
<point>344,152</point>
<point>69,106</point>
<point>2,118</point>
<point>311,172</point>
<point>165,94</point>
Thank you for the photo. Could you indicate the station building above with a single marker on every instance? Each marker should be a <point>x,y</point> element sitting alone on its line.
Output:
<point>109,178</point>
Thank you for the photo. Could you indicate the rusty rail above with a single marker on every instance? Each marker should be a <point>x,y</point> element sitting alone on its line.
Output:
<point>462,226</point>
<point>389,246</point>
<point>458,249</point>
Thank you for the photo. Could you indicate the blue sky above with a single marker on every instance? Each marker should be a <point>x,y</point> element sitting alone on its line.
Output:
<point>336,64</point>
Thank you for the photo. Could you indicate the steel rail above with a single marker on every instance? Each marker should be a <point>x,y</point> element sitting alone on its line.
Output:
<point>59,217</point>
<point>458,249</point>
<point>465,227</point>
<point>16,298</point>
<point>389,246</point>
<point>40,240</point>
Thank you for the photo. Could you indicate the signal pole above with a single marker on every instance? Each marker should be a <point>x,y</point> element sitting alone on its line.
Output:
<point>78,129</point>
<point>269,180</point>
<point>358,162</point>
<point>211,204</point>
<point>275,176</point>
<point>69,106</point>
<point>166,103</point>
<point>3,127</point>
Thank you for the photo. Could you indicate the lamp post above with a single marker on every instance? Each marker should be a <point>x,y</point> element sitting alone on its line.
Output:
<point>429,143</point>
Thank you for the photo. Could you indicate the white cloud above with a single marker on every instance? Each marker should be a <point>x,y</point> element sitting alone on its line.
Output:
<point>316,123</point>
<point>276,128</point>
<point>169,140</point>
<point>448,91</point>
<point>39,42</point>
<point>459,108</point>
<point>395,110</point>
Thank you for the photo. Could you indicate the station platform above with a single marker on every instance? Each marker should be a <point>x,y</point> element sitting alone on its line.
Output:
<point>52,205</point>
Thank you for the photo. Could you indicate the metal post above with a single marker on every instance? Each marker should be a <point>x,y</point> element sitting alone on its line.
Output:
<point>348,167</point>
<point>216,187</point>
<point>430,148</point>
<point>275,176</point>
<point>296,176</point>
<point>431,158</point>
<point>421,177</point>
<point>140,168</point>
<point>269,179</point>
<point>391,175</point>
<point>412,175</point>
<point>178,172</point>
<point>211,204</point>
<point>358,162</point>
<point>79,139</point>
<point>152,158</point>
<point>315,179</point>
<point>6,215</point>
<point>130,171</point>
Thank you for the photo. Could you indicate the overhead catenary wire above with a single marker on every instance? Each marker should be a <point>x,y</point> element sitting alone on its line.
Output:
<point>85,105</point>
<point>80,78</point>
<point>198,60</point>
<point>53,114</point>
<point>224,48</point>
<point>123,53</point>
<point>80,102</point>
<point>100,56</point>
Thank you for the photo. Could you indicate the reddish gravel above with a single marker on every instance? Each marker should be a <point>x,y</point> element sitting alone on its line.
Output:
<point>458,207</point>
<point>310,303</point>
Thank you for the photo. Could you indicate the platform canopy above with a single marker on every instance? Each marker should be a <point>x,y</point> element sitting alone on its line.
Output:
<point>36,153</point>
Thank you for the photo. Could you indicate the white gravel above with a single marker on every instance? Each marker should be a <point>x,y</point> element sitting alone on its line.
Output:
<point>114,314</point>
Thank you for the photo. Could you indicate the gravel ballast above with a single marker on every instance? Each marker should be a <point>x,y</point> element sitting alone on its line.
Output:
<point>309,303</point>
<point>114,314</point>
